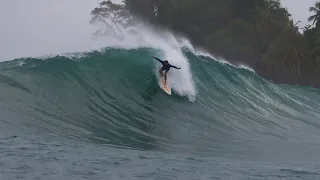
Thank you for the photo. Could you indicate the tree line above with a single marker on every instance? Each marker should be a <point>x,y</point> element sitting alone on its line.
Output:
<point>259,33</point>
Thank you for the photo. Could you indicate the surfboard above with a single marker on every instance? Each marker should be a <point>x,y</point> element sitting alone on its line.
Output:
<point>166,88</point>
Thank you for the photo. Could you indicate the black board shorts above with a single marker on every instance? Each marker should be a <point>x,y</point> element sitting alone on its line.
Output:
<point>165,69</point>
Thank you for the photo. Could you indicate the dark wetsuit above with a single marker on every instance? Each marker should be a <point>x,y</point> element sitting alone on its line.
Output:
<point>165,67</point>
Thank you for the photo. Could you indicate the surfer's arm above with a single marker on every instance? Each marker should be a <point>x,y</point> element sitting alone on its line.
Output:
<point>158,60</point>
<point>174,67</point>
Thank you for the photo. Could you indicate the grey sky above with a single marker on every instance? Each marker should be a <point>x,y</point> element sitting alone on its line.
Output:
<point>299,9</point>
<point>44,27</point>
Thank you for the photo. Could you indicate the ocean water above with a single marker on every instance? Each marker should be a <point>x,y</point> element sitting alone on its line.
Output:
<point>100,114</point>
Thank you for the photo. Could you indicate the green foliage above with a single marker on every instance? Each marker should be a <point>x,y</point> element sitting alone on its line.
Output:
<point>108,14</point>
<point>313,35</point>
<point>257,32</point>
<point>316,17</point>
<point>114,18</point>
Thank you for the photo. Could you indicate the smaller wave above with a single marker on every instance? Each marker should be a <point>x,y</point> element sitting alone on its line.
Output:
<point>246,67</point>
<point>203,53</point>
<point>299,172</point>
<point>199,52</point>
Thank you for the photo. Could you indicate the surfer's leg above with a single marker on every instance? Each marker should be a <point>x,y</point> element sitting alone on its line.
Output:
<point>165,76</point>
<point>160,71</point>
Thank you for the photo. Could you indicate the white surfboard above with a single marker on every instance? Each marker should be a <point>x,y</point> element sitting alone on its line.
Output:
<point>166,88</point>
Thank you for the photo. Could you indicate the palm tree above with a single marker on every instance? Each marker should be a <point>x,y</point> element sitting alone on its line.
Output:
<point>316,9</point>
<point>295,27</point>
<point>306,27</point>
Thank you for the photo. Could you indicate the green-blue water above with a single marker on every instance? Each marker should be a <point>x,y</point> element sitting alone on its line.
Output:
<point>102,115</point>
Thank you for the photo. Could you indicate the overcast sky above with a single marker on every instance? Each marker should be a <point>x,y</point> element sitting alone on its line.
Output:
<point>44,27</point>
<point>299,9</point>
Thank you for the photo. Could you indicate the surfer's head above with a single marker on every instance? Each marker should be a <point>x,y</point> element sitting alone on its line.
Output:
<point>165,61</point>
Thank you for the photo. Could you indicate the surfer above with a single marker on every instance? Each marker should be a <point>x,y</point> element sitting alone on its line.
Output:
<point>165,67</point>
